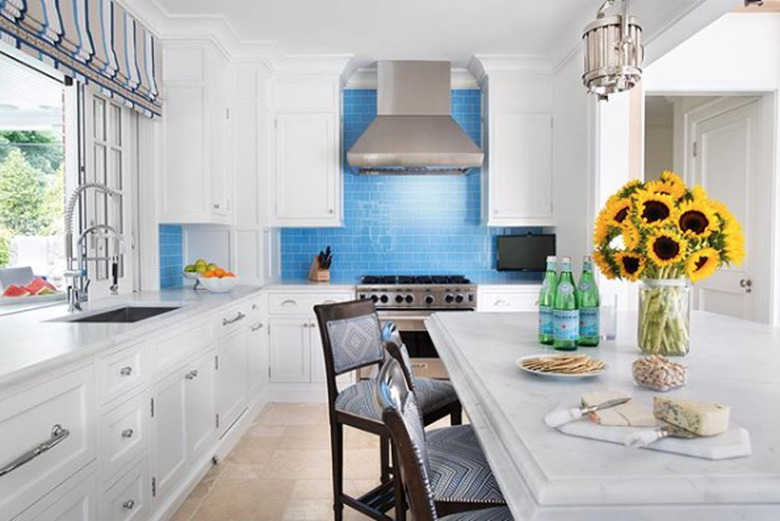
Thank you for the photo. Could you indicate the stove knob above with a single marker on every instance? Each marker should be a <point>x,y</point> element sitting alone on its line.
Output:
<point>399,298</point>
<point>448,299</point>
<point>375,298</point>
<point>459,299</point>
<point>429,299</point>
<point>384,299</point>
<point>409,299</point>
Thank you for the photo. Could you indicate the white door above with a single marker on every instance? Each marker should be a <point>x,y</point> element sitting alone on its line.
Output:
<point>169,433</point>
<point>306,162</point>
<point>727,162</point>
<point>200,410</point>
<point>232,373</point>
<point>520,173</point>
<point>290,350</point>
<point>109,153</point>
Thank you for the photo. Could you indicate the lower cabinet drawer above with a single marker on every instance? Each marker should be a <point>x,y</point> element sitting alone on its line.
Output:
<point>506,301</point>
<point>74,500</point>
<point>47,433</point>
<point>123,434</point>
<point>303,303</point>
<point>122,371</point>
<point>129,498</point>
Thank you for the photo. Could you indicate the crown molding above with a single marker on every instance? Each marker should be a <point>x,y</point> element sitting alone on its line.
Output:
<point>366,78</point>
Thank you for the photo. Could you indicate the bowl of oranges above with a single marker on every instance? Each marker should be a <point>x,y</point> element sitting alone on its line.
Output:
<point>211,277</point>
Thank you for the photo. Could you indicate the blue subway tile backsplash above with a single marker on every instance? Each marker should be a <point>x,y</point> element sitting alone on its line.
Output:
<point>171,256</point>
<point>405,224</point>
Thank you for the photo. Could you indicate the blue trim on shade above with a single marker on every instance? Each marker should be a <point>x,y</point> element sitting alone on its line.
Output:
<point>404,225</point>
<point>171,251</point>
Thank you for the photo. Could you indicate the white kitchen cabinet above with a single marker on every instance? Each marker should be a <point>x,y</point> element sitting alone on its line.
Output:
<point>169,433</point>
<point>308,182</point>
<point>196,178</point>
<point>258,355</point>
<point>290,346</point>
<point>232,373</point>
<point>200,407</point>
<point>508,298</point>
<point>520,169</point>
<point>318,371</point>
<point>74,500</point>
<point>129,499</point>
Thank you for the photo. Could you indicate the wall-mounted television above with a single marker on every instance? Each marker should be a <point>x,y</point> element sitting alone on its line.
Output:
<point>524,252</point>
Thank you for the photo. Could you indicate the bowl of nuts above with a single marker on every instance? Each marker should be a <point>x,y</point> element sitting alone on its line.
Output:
<point>659,373</point>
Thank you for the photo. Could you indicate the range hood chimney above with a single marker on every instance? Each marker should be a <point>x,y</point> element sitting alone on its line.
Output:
<point>414,132</point>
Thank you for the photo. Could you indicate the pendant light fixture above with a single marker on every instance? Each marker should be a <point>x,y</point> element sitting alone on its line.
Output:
<point>613,51</point>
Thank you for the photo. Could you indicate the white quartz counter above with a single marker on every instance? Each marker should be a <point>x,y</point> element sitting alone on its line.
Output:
<point>547,475</point>
<point>31,343</point>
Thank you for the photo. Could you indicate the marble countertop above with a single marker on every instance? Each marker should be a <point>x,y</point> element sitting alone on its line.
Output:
<point>547,475</point>
<point>31,343</point>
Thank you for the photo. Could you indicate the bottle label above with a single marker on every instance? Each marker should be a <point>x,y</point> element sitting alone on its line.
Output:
<point>566,324</point>
<point>589,322</point>
<point>545,320</point>
<point>584,286</point>
<point>565,288</point>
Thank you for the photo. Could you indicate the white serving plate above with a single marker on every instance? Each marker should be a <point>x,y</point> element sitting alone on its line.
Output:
<point>565,376</point>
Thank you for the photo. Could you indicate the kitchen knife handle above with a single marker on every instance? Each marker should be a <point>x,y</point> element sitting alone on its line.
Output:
<point>644,438</point>
<point>562,416</point>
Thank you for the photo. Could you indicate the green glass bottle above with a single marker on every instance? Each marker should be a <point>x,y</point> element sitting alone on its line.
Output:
<point>566,317</point>
<point>588,303</point>
<point>546,301</point>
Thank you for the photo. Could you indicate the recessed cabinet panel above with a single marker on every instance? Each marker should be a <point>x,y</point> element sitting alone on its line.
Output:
<point>305,95</point>
<point>520,174</point>
<point>306,163</point>
<point>290,350</point>
<point>169,433</point>
<point>318,374</point>
<point>232,374</point>
<point>201,412</point>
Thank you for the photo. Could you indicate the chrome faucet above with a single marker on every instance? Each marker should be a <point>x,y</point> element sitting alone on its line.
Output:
<point>78,288</point>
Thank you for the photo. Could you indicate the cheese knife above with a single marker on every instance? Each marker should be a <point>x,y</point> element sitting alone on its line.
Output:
<point>647,437</point>
<point>563,416</point>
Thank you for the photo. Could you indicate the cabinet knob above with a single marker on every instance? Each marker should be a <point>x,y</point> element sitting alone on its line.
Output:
<point>127,433</point>
<point>257,327</point>
<point>129,504</point>
<point>126,371</point>
<point>216,206</point>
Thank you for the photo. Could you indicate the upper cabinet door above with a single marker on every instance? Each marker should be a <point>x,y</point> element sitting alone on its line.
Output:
<point>307,161</point>
<point>520,169</point>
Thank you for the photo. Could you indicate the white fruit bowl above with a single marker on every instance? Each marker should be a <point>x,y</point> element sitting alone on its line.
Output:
<point>217,285</point>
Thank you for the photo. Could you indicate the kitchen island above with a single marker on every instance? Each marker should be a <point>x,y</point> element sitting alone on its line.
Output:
<point>547,475</point>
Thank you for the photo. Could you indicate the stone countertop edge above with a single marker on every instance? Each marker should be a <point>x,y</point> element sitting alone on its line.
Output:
<point>32,344</point>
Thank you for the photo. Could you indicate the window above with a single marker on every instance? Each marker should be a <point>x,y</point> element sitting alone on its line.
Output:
<point>32,171</point>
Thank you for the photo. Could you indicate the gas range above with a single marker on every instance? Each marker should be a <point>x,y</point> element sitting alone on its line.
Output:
<point>432,292</point>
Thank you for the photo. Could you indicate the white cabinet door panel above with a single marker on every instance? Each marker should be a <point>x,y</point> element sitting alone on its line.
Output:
<point>318,373</point>
<point>290,350</point>
<point>231,377</point>
<point>201,413</point>
<point>258,356</point>
<point>520,170</point>
<point>169,433</point>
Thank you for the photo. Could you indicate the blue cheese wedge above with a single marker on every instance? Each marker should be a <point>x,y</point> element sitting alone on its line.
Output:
<point>629,414</point>
<point>702,418</point>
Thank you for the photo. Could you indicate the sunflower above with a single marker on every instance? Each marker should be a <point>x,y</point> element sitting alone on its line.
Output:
<point>631,235</point>
<point>632,265</point>
<point>699,193</point>
<point>696,219</point>
<point>701,264</point>
<point>666,248</point>
<point>617,210</point>
<point>604,266</point>
<point>670,184</point>
<point>734,243</point>
<point>629,188</point>
<point>601,231</point>
<point>654,209</point>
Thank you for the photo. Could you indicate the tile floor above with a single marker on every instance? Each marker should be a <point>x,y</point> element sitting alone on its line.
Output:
<point>280,470</point>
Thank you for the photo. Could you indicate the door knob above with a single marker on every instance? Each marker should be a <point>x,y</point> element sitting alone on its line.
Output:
<point>747,284</point>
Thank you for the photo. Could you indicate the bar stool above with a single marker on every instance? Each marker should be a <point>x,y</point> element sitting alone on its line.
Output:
<point>444,471</point>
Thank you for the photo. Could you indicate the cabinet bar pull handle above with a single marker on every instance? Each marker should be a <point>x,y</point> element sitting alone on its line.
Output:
<point>228,321</point>
<point>258,327</point>
<point>58,433</point>
<point>126,371</point>
<point>501,302</point>
<point>129,504</point>
<point>127,433</point>
<point>289,302</point>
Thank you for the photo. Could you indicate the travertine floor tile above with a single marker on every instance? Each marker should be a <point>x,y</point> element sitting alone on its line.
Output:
<point>306,437</point>
<point>299,464</point>
<point>251,450</point>
<point>294,414</point>
<point>313,489</point>
<point>249,500</point>
<point>309,510</point>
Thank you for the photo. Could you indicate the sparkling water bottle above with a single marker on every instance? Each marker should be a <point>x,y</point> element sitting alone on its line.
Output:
<point>566,317</point>
<point>546,301</point>
<point>588,304</point>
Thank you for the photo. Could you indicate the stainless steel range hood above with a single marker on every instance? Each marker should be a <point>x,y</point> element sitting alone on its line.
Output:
<point>414,132</point>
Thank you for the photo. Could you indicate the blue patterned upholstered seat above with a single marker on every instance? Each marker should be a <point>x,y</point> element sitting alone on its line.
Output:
<point>459,470</point>
<point>487,514</point>
<point>358,399</point>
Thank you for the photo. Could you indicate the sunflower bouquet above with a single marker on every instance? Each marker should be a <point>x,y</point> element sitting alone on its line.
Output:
<point>664,233</point>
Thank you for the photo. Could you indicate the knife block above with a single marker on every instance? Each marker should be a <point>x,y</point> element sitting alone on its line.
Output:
<point>317,273</point>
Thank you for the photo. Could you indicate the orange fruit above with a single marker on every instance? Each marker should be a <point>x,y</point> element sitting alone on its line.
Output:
<point>219,272</point>
<point>229,274</point>
<point>208,275</point>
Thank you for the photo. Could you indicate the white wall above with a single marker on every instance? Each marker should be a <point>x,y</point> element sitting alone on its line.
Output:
<point>659,138</point>
<point>737,54</point>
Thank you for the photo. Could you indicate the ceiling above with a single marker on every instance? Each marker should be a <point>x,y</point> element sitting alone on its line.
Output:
<point>401,29</point>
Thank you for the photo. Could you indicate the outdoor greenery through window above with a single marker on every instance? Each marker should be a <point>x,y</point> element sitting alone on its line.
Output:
<point>32,171</point>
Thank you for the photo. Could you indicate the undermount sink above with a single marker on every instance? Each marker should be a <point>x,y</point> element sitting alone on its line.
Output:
<point>126,315</point>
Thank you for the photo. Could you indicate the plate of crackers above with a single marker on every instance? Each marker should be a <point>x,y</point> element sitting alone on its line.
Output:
<point>575,365</point>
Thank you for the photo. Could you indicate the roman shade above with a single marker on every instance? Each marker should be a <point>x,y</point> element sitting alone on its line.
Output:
<point>95,41</point>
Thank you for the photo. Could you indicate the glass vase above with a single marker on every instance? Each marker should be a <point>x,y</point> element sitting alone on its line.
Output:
<point>664,317</point>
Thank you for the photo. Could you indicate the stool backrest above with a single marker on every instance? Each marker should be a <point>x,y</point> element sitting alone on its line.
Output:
<point>402,419</point>
<point>397,349</point>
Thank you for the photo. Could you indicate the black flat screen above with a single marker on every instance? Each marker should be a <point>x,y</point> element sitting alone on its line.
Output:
<point>524,252</point>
